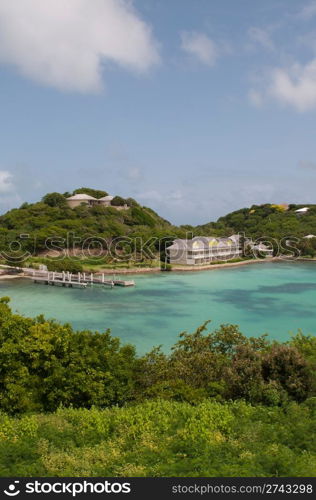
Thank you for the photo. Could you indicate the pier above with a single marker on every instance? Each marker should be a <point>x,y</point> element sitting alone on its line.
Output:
<point>79,280</point>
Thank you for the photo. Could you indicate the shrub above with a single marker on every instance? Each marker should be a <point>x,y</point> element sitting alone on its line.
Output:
<point>70,265</point>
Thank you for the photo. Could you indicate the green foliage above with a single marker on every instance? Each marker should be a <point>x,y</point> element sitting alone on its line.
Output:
<point>51,220</point>
<point>166,267</point>
<point>45,364</point>
<point>143,217</point>
<point>219,404</point>
<point>118,201</point>
<point>130,202</point>
<point>96,193</point>
<point>71,265</point>
<point>162,438</point>
<point>272,223</point>
<point>227,365</point>
<point>54,200</point>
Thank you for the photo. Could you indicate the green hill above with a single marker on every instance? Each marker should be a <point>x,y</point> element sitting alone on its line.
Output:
<point>51,222</point>
<point>268,221</point>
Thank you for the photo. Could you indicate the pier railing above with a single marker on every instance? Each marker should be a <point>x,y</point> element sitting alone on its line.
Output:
<point>68,278</point>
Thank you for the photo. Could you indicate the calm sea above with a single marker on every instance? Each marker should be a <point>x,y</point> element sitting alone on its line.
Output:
<point>273,298</point>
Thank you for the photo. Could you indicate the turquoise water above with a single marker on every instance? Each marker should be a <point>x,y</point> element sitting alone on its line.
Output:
<point>273,298</point>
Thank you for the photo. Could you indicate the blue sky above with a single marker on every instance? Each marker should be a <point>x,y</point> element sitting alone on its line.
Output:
<point>193,107</point>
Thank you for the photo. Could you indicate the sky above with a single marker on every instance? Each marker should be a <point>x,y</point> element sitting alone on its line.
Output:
<point>195,108</point>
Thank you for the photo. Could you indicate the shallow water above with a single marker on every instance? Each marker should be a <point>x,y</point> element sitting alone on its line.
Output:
<point>273,298</point>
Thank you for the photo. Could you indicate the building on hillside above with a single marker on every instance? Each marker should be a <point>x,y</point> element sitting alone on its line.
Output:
<point>204,250</point>
<point>86,199</point>
<point>81,199</point>
<point>303,210</point>
<point>105,201</point>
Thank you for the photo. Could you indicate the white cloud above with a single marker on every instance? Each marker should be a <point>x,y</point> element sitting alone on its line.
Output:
<point>308,11</point>
<point>65,44</point>
<point>6,184</point>
<point>261,37</point>
<point>200,46</point>
<point>295,86</point>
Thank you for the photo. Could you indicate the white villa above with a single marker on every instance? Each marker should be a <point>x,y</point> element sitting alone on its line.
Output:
<point>86,199</point>
<point>204,250</point>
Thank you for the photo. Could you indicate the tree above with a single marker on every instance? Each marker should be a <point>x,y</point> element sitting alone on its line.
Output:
<point>96,193</point>
<point>285,365</point>
<point>71,265</point>
<point>54,200</point>
<point>118,201</point>
<point>45,365</point>
<point>130,202</point>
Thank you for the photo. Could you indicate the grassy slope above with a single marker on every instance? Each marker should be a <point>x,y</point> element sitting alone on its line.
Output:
<point>161,438</point>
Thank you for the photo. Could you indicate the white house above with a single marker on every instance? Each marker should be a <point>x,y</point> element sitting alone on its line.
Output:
<point>86,199</point>
<point>105,200</point>
<point>79,199</point>
<point>203,250</point>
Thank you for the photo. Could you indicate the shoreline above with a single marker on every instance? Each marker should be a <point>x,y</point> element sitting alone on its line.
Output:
<point>11,276</point>
<point>154,270</point>
<point>208,267</point>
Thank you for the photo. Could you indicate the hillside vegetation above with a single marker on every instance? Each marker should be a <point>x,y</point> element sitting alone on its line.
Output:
<point>78,403</point>
<point>269,222</point>
<point>162,438</point>
<point>50,226</point>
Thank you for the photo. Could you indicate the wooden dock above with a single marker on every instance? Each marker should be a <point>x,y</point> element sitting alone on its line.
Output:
<point>57,282</point>
<point>80,280</point>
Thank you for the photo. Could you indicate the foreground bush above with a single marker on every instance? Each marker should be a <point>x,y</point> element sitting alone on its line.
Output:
<point>163,438</point>
<point>44,364</point>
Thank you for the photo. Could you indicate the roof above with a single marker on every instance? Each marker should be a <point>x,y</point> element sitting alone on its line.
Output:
<point>81,196</point>
<point>106,198</point>
<point>200,242</point>
<point>304,209</point>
